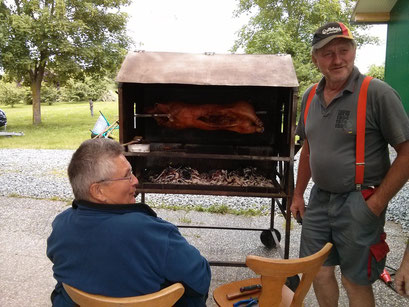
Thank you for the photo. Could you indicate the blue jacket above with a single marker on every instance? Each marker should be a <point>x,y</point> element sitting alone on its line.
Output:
<point>123,250</point>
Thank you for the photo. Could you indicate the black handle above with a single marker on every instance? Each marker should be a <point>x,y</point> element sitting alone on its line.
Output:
<point>249,288</point>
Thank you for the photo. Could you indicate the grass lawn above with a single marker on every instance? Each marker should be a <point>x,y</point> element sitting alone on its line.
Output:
<point>64,125</point>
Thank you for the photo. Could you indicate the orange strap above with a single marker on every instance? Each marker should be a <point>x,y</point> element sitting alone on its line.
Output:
<point>360,133</point>
<point>360,128</point>
<point>309,99</point>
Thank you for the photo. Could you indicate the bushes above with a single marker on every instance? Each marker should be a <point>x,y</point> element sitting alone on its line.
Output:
<point>11,93</point>
<point>72,91</point>
<point>49,94</point>
<point>89,89</point>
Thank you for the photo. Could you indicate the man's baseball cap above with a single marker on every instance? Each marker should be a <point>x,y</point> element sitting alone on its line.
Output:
<point>328,32</point>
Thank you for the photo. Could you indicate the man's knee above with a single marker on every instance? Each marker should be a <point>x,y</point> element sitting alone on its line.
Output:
<point>358,295</point>
<point>324,278</point>
<point>326,287</point>
<point>354,288</point>
<point>325,273</point>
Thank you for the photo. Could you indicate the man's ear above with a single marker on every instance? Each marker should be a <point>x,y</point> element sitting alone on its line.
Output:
<point>314,60</point>
<point>96,192</point>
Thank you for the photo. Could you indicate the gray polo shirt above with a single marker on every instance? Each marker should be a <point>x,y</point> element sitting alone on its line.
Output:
<point>331,133</point>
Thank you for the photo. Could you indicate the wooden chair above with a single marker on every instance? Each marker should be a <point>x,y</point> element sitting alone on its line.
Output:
<point>274,273</point>
<point>164,298</point>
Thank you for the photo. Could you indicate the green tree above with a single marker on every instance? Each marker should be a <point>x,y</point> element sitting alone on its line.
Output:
<point>69,38</point>
<point>376,72</point>
<point>287,27</point>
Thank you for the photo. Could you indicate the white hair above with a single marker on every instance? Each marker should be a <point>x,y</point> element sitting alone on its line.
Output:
<point>92,162</point>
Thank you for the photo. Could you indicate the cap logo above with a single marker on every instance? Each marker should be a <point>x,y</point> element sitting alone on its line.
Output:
<point>331,30</point>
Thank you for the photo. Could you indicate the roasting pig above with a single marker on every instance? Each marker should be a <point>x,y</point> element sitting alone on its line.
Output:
<point>239,116</point>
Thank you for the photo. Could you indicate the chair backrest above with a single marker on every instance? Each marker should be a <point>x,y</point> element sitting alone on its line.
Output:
<point>274,273</point>
<point>164,298</point>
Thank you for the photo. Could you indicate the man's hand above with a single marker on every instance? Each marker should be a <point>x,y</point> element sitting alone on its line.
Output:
<point>402,276</point>
<point>375,208</point>
<point>303,177</point>
<point>297,205</point>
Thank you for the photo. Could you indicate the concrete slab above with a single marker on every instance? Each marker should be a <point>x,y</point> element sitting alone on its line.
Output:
<point>26,273</point>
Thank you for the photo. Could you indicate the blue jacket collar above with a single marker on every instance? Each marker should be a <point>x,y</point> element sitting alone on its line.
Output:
<point>120,209</point>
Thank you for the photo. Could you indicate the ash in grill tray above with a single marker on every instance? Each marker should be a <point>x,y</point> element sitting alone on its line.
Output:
<point>186,175</point>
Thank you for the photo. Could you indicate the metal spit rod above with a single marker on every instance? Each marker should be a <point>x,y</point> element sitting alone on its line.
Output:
<point>168,115</point>
<point>152,115</point>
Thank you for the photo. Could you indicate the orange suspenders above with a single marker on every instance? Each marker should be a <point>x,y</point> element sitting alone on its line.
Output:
<point>309,99</point>
<point>360,134</point>
<point>360,128</point>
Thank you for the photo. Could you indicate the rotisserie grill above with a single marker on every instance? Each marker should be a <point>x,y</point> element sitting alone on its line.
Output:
<point>210,124</point>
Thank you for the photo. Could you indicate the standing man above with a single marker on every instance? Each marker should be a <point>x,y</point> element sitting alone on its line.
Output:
<point>349,215</point>
<point>91,107</point>
<point>107,244</point>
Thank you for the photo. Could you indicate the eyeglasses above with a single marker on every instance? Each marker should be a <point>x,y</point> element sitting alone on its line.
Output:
<point>129,178</point>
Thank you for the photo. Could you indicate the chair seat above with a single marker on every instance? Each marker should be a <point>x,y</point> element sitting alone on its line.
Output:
<point>220,293</point>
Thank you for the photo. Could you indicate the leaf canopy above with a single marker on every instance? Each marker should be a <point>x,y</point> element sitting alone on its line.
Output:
<point>287,27</point>
<point>68,37</point>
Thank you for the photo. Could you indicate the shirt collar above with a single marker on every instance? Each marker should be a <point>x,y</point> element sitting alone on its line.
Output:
<point>350,85</point>
<point>118,209</point>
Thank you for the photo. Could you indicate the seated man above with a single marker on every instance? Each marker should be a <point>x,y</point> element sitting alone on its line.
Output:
<point>106,244</point>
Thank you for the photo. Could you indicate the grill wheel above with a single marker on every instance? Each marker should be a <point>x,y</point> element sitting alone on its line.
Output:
<point>267,239</point>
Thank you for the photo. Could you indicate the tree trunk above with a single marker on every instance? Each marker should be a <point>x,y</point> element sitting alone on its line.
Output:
<point>36,96</point>
<point>36,79</point>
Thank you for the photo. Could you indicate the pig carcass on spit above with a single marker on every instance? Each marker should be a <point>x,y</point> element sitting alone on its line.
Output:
<point>238,116</point>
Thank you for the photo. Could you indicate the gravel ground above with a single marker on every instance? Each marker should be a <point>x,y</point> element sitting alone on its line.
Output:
<point>42,174</point>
